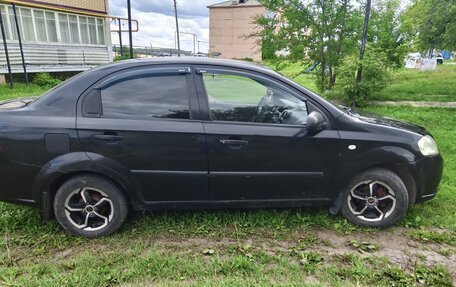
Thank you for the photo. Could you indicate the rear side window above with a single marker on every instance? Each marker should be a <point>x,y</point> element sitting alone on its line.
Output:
<point>147,97</point>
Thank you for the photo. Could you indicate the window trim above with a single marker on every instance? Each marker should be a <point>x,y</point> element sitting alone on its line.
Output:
<point>199,70</point>
<point>126,74</point>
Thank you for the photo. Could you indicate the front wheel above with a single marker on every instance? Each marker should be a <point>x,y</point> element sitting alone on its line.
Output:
<point>90,206</point>
<point>375,198</point>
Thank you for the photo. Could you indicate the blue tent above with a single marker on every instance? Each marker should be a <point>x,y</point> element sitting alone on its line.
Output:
<point>446,55</point>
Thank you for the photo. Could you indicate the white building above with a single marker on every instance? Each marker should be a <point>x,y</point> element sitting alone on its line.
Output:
<point>57,35</point>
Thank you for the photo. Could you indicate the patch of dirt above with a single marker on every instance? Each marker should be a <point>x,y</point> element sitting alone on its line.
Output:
<point>393,244</point>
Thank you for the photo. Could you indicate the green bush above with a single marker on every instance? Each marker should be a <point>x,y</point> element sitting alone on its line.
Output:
<point>45,80</point>
<point>375,77</point>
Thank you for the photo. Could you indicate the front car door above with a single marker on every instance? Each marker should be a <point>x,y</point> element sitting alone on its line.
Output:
<point>258,145</point>
<point>142,119</point>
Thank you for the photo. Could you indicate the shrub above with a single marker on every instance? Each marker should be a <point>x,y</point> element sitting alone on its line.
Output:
<point>375,77</point>
<point>45,80</point>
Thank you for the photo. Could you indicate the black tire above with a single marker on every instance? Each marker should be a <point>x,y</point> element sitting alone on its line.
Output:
<point>389,198</point>
<point>90,206</point>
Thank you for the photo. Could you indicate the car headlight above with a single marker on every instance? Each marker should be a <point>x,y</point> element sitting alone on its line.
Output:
<point>428,146</point>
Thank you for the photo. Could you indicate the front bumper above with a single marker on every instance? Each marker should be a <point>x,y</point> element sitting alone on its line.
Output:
<point>427,173</point>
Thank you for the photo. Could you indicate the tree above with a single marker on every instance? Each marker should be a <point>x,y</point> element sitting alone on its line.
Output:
<point>318,30</point>
<point>375,76</point>
<point>386,31</point>
<point>432,24</point>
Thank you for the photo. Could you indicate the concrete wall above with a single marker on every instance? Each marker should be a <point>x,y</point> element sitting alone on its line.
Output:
<point>93,5</point>
<point>228,27</point>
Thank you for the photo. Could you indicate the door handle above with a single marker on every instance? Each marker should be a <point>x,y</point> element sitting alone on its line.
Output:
<point>111,138</point>
<point>234,144</point>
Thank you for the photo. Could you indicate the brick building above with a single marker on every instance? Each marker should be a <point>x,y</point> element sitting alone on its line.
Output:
<point>229,24</point>
<point>57,35</point>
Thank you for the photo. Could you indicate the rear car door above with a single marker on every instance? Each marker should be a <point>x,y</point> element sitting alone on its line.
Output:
<point>258,144</point>
<point>142,119</point>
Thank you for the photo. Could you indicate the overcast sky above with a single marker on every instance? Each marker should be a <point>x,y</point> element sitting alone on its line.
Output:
<point>157,24</point>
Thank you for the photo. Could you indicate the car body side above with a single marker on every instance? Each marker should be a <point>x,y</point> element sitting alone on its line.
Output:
<point>40,146</point>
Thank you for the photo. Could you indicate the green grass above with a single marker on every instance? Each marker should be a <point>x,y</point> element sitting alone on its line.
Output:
<point>414,85</point>
<point>295,71</point>
<point>21,90</point>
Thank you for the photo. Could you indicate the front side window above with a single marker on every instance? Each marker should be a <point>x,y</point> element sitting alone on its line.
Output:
<point>147,97</point>
<point>242,99</point>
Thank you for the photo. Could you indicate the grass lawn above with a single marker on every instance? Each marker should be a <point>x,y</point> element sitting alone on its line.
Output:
<point>410,84</point>
<point>21,90</point>
<point>288,247</point>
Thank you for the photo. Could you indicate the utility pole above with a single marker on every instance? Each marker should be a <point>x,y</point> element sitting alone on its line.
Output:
<point>130,33</point>
<point>120,37</point>
<point>177,29</point>
<point>24,67</point>
<point>362,49</point>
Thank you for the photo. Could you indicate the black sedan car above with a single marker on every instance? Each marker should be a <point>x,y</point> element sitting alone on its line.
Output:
<point>195,133</point>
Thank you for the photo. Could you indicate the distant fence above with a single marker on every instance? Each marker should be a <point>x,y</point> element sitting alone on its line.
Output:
<point>149,52</point>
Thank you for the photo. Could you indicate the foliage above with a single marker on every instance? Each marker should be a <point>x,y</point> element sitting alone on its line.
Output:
<point>324,32</point>
<point>319,32</point>
<point>432,24</point>
<point>387,33</point>
<point>375,76</point>
<point>45,80</point>
<point>126,55</point>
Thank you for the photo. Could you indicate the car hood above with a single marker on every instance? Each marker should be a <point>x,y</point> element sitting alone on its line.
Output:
<point>16,103</point>
<point>388,122</point>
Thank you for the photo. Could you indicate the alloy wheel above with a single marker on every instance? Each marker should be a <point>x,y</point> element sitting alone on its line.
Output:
<point>89,209</point>
<point>372,200</point>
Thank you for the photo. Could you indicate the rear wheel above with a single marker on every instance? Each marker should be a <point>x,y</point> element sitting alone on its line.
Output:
<point>375,198</point>
<point>90,206</point>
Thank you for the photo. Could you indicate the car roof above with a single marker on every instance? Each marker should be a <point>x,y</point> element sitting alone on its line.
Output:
<point>192,61</point>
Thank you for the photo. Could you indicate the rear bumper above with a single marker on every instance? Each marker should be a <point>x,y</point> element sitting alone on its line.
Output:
<point>427,173</point>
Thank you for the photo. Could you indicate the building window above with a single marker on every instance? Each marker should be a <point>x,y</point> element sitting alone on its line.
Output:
<point>92,31</point>
<point>74,29</point>
<point>101,31</point>
<point>41,26</point>
<point>27,24</point>
<point>51,27</point>
<point>64,28</point>
<point>84,30</point>
<point>13,23</point>
<point>5,23</point>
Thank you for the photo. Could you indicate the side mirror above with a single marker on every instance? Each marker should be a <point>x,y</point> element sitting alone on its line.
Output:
<point>315,122</point>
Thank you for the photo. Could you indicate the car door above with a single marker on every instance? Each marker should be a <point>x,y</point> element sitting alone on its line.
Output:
<point>142,119</point>
<point>258,144</point>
